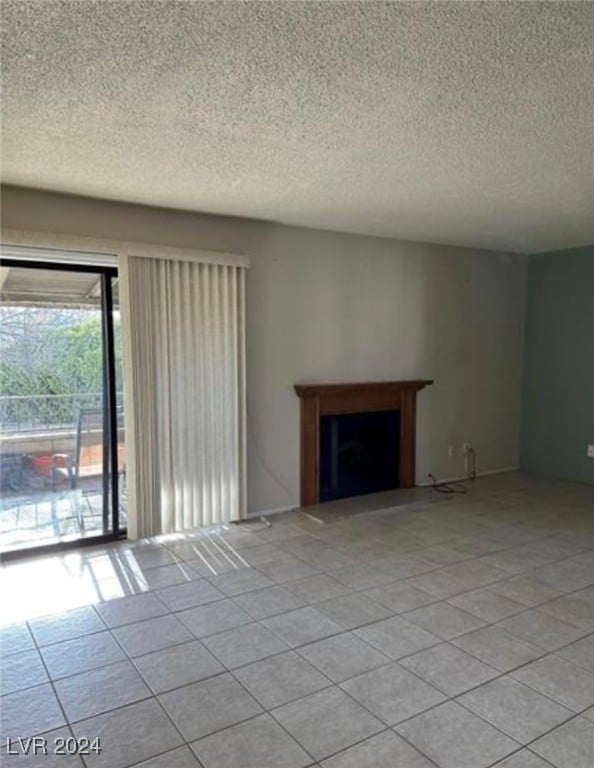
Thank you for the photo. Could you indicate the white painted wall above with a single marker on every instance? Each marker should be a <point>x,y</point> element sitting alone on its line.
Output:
<point>326,307</point>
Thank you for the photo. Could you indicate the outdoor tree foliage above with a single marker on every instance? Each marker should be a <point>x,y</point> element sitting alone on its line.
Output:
<point>49,352</point>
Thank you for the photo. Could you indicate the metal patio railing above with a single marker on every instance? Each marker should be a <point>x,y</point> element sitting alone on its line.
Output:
<point>45,413</point>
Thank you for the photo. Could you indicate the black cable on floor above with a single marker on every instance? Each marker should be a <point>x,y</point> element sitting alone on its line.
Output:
<point>243,521</point>
<point>451,487</point>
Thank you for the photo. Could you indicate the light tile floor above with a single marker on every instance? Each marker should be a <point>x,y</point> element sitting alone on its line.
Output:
<point>457,634</point>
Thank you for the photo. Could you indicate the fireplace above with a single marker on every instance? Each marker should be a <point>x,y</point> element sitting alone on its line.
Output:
<point>357,438</point>
<point>358,453</point>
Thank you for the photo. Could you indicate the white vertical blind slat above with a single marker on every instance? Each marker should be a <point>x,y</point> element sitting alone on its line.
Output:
<point>184,360</point>
<point>239,329</point>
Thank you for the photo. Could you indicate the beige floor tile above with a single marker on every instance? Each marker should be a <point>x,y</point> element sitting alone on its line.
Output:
<point>515,709</point>
<point>453,737</point>
<point>326,722</point>
<point>449,669</point>
<point>385,749</point>
<point>259,742</point>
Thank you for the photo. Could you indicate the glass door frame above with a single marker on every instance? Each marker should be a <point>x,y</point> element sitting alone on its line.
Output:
<point>110,426</point>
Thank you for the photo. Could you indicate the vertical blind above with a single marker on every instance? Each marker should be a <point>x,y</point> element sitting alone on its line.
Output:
<point>184,354</point>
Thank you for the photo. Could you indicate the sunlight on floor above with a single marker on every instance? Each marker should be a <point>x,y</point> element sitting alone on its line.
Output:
<point>37,586</point>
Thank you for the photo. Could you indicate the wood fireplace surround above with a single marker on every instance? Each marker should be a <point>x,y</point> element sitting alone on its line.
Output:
<point>322,399</point>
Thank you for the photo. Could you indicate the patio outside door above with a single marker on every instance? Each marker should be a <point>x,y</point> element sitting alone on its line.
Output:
<point>62,451</point>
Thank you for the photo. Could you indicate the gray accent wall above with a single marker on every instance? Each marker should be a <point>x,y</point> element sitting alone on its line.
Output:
<point>558,396</point>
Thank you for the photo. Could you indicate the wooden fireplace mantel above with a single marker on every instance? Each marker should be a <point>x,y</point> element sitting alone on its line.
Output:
<point>322,399</point>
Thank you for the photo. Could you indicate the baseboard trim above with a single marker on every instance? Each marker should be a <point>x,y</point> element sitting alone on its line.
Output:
<point>266,512</point>
<point>484,473</point>
<point>462,478</point>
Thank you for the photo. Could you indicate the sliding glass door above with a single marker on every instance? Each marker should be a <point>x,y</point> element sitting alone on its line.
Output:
<point>62,446</point>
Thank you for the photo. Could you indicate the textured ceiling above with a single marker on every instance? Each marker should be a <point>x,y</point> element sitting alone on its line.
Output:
<point>464,122</point>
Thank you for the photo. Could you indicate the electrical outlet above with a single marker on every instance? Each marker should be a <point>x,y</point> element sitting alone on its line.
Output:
<point>451,450</point>
<point>591,451</point>
<point>465,448</point>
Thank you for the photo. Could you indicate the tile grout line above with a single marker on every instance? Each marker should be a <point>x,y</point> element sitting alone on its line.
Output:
<point>440,641</point>
<point>403,578</point>
<point>546,653</point>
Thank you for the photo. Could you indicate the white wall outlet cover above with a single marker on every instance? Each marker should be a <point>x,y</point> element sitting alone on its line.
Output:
<point>591,451</point>
<point>451,450</point>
